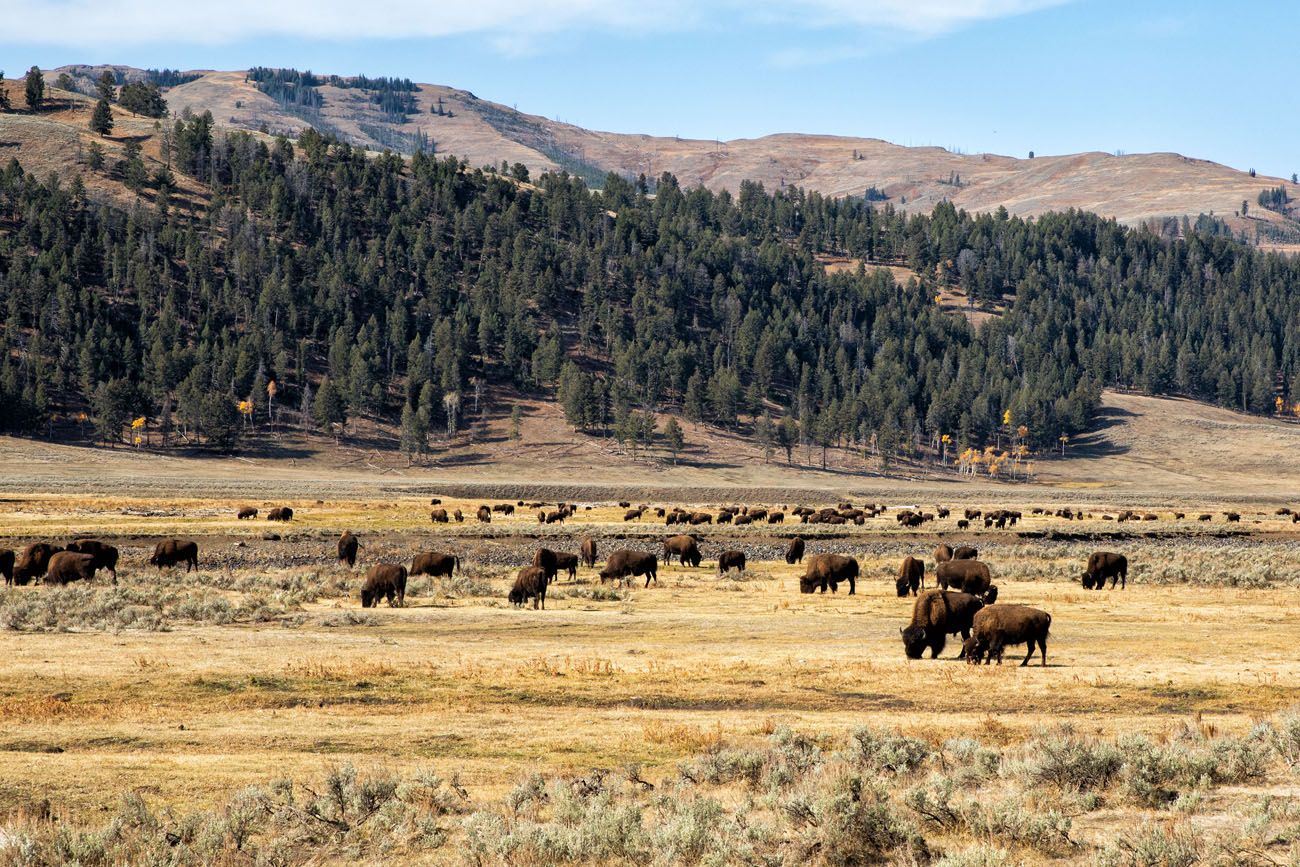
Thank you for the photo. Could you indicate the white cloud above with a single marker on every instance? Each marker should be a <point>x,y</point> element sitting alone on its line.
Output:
<point>510,25</point>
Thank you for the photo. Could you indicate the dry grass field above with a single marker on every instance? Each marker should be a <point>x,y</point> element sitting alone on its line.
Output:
<point>704,719</point>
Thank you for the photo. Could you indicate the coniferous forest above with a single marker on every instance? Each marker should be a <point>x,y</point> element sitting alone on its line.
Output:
<point>335,284</point>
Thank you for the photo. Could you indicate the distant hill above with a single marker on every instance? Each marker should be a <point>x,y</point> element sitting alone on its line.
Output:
<point>1131,188</point>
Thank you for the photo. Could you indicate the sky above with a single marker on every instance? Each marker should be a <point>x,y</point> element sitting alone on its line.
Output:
<point>1206,78</point>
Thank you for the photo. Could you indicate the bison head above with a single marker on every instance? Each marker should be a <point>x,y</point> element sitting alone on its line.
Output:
<point>902,586</point>
<point>973,649</point>
<point>808,585</point>
<point>991,594</point>
<point>368,599</point>
<point>517,597</point>
<point>1086,580</point>
<point>914,641</point>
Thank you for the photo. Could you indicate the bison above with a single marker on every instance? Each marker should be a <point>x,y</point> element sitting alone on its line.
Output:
<point>348,546</point>
<point>384,581</point>
<point>963,524</point>
<point>105,555</point>
<point>68,566</point>
<point>458,515</point>
<point>729,560</point>
<point>995,627</point>
<point>624,564</point>
<point>942,554</point>
<point>632,515</point>
<point>556,517</point>
<point>169,552</point>
<point>776,517</point>
<point>280,513</point>
<point>965,552</point>
<point>911,576</point>
<point>794,553</point>
<point>434,564</point>
<point>7,565</point>
<point>936,615</point>
<point>530,583</point>
<point>684,548</point>
<point>700,518</point>
<point>1103,565</point>
<point>825,570</point>
<point>438,516</point>
<point>33,562</point>
<point>484,515</point>
<point>969,576</point>
<point>544,559</point>
<point>587,550</point>
<point>565,562</point>
<point>246,512</point>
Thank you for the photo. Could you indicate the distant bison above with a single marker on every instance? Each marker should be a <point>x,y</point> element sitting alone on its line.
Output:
<point>970,576</point>
<point>384,581</point>
<point>280,513</point>
<point>485,514</point>
<point>105,555</point>
<point>33,562</point>
<point>7,560</point>
<point>776,517</point>
<point>566,562</point>
<point>729,560</point>
<point>828,570</point>
<point>169,552</point>
<point>965,552</point>
<point>911,576</point>
<point>684,548</point>
<point>997,626</point>
<point>556,517</point>
<point>530,583</point>
<point>794,553</point>
<point>348,546</point>
<point>632,515</point>
<point>458,515</point>
<point>1232,517</point>
<point>68,566</point>
<point>246,512</point>
<point>630,564</point>
<point>963,524</point>
<point>587,550</point>
<point>1204,516</point>
<point>434,564</point>
<point>1103,565</point>
<point>438,516</point>
<point>936,615</point>
<point>942,554</point>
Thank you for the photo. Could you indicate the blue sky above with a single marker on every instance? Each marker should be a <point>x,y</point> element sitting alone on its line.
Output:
<point>1208,79</point>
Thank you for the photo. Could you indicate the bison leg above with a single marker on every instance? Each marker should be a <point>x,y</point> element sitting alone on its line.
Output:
<point>1030,654</point>
<point>853,586</point>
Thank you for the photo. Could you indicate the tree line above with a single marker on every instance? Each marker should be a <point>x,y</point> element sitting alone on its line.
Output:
<point>330,285</point>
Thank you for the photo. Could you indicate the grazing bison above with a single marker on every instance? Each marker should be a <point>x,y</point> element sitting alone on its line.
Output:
<point>504,508</point>
<point>7,565</point>
<point>1103,565</point>
<point>963,524</point>
<point>68,566</point>
<point>33,562</point>
<point>625,564</point>
<point>565,562</point>
<point>742,520</point>
<point>435,502</point>
<point>484,515</point>
<point>587,550</point>
<point>794,553</point>
<point>434,564</point>
<point>246,512</point>
<point>998,626</point>
<point>776,517</point>
<point>700,518</point>
<point>384,581</point>
<point>936,615</point>
<point>438,516</point>
<point>544,559</point>
<point>825,570</point>
<point>729,560</point>
<point>530,583</point>
<point>1232,517</point>
<point>911,576</point>
<point>965,552</point>
<point>632,515</point>
<point>458,515</point>
<point>280,513</point>
<point>348,546</point>
<point>169,552</point>
<point>105,555</point>
<point>684,548</point>
<point>1204,516</point>
<point>556,517</point>
<point>969,576</point>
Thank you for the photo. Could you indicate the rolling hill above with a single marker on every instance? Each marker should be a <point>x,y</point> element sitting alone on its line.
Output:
<point>1131,188</point>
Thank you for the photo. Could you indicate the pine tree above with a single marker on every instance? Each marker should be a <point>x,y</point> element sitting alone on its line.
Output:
<point>329,409</point>
<point>674,437</point>
<point>414,434</point>
<point>765,434</point>
<point>106,85</point>
<point>34,89</point>
<point>95,156</point>
<point>5,104</point>
<point>787,436</point>
<point>516,423</point>
<point>101,119</point>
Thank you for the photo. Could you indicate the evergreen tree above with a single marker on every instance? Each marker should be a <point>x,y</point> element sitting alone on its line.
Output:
<point>34,89</point>
<point>329,408</point>
<point>414,433</point>
<point>673,437</point>
<point>6,105</point>
<point>106,86</point>
<point>766,436</point>
<point>95,156</point>
<point>101,119</point>
<point>114,405</point>
<point>787,437</point>
<point>516,422</point>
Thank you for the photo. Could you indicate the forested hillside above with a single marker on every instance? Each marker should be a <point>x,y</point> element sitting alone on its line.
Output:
<point>331,284</point>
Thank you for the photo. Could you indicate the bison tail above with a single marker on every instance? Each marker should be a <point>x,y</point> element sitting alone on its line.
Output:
<point>456,561</point>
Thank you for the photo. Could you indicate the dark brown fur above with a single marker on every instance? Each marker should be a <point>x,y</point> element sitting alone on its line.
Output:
<point>384,581</point>
<point>997,626</point>
<point>936,615</point>
<point>434,564</point>
<point>828,570</point>
<point>169,552</point>
<point>630,564</point>
<point>911,576</point>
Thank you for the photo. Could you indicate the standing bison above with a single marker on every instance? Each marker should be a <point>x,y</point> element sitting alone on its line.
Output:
<point>998,626</point>
<point>936,615</point>
<point>33,562</point>
<point>169,552</point>
<point>246,512</point>
<point>438,516</point>
<point>484,514</point>
<point>684,548</point>
<point>544,559</point>
<point>68,566</point>
<point>911,576</point>
<point>384,581</point>
<point>434,564</point>
<point>529,584</point>
<point>7,560</point>
<point>280,513</point>
<point>969,576</point>
<point>105,555</point>
<point>729,560</point>
<point>942,554</point>
<point>965,552</point>
<point>1103,565</point>
<point>566,562</point>
<point>587,550</point>
<point>828,570</point>
<point>625,564</point>
<point>348,546</point>
<point>794,553</point>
